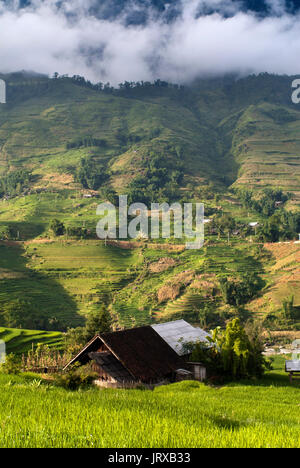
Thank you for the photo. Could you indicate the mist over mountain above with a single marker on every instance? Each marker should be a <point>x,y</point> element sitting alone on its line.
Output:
<point>178,41</point>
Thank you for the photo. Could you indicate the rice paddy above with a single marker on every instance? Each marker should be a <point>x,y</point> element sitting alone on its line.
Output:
<point>183,415</point>
<point>20,341</point>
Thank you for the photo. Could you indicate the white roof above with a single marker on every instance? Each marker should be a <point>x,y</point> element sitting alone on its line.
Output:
<point>253,224</point>
<point>291,366</point>
<point>179,331</point>
<point>2,352</point>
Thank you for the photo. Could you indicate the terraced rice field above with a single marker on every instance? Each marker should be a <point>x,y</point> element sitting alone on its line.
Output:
<point>20,341</point>
<point>283,276</point>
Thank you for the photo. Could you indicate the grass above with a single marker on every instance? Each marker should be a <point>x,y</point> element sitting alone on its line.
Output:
<point>20,341</point>
<point>182,415</point>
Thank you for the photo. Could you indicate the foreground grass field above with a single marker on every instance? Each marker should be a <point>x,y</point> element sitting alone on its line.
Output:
<point>247,414</point>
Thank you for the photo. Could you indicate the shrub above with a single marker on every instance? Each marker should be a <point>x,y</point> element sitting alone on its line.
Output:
<point>75,379</point>
<point>57,227</point>
<point>12,365</point>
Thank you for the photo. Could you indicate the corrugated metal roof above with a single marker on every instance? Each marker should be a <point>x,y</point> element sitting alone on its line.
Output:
<point>292,366</point>
<point>179,331</point>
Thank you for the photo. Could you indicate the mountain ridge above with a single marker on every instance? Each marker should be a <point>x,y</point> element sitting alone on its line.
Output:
<point>67,144</point>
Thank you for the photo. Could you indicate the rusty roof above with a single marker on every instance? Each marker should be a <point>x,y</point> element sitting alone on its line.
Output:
<point>143,353</point>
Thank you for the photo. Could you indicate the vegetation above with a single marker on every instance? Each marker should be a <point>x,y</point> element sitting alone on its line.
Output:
<point>85,142</point>
<point>159,183</point>
<point>266,203</point>
<point>75,379</point>
<point>239,291</point>
<point>90,174</point>
<point>183,415</point>
<point>217,142</point>
<point>97,322</point>
<point>233,353</point>
<point>14,182</point>
<point>57,227</point>
<point>12,365</point>
<point>20,341</point>
<point>21,313</point>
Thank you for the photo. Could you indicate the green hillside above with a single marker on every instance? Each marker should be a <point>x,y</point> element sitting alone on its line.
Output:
<point>65,146</point>
<point>20,341</point>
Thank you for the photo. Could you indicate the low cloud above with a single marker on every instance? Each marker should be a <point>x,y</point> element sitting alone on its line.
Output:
<point>71,39</point>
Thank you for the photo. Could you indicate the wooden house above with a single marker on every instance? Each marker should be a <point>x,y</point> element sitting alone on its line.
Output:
<point>129,357</point>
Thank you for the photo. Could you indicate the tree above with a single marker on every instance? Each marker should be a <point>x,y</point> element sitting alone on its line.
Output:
<point>97,322</point>
<point>21,313</point>
<point>90,174</point>
<point>6,232</point>
<point>57,227</point>
<point>233,353</point>
<point>15,182</point>
<point>240,356</point>
<point>224,223</point>
<point>289,310</point>
<point>237,292</point>
<point>108,194</point>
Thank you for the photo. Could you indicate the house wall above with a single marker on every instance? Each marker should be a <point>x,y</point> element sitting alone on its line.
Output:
<point>199,373</point>
<point>101,373</point>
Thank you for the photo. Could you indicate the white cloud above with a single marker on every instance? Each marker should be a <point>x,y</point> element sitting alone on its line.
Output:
<point>43,38</point>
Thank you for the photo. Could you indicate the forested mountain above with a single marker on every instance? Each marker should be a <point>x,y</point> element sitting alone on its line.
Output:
<point>220,131</point>
<point>231,143</point>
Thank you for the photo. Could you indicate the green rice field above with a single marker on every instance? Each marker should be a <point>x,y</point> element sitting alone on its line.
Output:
<point>20,341</point>
<point>188,414</point>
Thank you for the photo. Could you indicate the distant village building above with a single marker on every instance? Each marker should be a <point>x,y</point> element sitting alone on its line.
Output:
<point>255,224</point>
<point>91,195</point>
<point>147,355</point>
<point>293,368</point>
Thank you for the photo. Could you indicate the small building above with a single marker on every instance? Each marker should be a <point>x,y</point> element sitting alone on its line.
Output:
<point>129,357</point>
<point>198,370</point>
<point>293,368</point>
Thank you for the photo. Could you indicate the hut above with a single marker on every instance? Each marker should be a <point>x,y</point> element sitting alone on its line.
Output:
<point>293,368</point>
<point>129,357</point>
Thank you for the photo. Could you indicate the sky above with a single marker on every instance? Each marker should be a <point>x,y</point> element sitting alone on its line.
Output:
<point>117,40</point>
